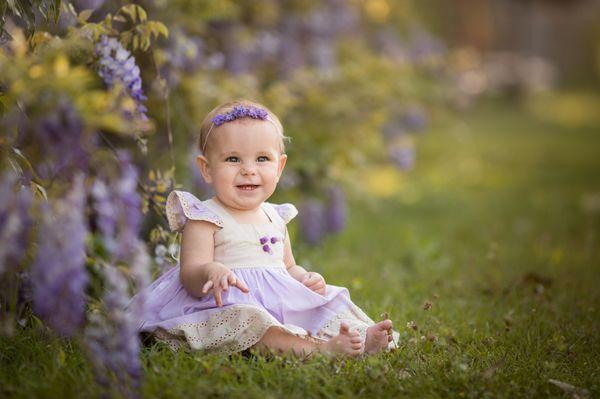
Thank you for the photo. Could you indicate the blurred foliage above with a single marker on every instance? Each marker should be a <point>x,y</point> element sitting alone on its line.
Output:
<point>26,11</point>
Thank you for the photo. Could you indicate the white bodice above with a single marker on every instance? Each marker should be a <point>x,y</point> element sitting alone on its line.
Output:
<point>237,245</point>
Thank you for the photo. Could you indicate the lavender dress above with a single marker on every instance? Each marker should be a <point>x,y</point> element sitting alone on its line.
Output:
<point>275,297</point>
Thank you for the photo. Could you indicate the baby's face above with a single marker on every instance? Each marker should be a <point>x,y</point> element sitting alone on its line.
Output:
<point>243,163</point>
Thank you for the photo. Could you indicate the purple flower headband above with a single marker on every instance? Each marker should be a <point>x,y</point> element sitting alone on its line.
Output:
<point>238,112</point>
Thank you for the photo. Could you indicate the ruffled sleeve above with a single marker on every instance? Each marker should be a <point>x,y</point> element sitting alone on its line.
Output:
<point>182,206</point>
<point>286,211</point>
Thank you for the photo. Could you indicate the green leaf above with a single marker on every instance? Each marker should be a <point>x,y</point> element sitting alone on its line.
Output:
<point>135,12</point>
<point>85,15</point>
<point>142,15</point>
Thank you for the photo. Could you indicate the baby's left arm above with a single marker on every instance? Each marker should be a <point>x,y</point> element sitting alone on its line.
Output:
<point>312,280</point>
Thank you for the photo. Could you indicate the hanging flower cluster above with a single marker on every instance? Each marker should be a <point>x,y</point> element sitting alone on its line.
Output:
<point>117,65</point>
<point>58,273</point>
<point>112,336</point>
<point>318,218</point>
<point>14,222</point>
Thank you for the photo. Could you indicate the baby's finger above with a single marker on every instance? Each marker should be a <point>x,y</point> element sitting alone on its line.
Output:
<point>207,286</point>
<point>242,286</point>
<point>231,279</point>
<point>311,281</point>
<point>217,294</point>
<point>224,283</point>
<point>317,287</point>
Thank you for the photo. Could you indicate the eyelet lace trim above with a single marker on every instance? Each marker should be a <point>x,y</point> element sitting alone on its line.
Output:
<point>234,329</point>
<point>182,206</point>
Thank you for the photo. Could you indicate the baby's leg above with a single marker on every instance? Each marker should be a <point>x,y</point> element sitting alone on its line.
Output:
<point>345,343</point>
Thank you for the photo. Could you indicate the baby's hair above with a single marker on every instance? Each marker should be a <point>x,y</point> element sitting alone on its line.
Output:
<point>208,125</point>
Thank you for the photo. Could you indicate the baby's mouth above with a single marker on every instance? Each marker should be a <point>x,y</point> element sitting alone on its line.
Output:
<point>247,187</point>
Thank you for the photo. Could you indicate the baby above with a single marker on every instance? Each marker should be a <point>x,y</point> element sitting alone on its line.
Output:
<point>237,285</point>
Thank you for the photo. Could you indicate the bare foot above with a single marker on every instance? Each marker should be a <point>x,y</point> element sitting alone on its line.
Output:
<point>345,343</point>
<point>378,336</point>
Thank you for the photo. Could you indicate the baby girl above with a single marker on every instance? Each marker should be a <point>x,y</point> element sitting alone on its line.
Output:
<point>237,285</point>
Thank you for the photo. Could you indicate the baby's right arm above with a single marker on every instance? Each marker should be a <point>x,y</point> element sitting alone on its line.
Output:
<point>199,273</point>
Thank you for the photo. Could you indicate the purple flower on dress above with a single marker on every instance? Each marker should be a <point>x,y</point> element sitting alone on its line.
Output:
<point>117,65</point>
<point>263,240</point>
<point>266,248</point>
<point>274,240</point>
<point>58,272</point>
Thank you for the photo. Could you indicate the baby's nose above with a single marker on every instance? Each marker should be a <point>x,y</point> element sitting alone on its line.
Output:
<point>248,170</point>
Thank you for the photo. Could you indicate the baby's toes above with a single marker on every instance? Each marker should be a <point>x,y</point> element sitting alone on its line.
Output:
<point>386,324</point>
<point>356,351</point>
<point>356,339</point>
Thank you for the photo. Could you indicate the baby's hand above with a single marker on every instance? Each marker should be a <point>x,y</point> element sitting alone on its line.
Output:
<point>220,278</point>
<point>315,282</point>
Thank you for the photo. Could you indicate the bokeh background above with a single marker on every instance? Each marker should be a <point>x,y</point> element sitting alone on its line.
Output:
<point>443,158</point>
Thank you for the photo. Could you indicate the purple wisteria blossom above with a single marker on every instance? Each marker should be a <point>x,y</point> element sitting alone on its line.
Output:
<point>118,207</point>
<point>184,55</point>
<point>335,213</point>
<point>402,157</point>
<point>426,49</point>
<point>15,222</point>
<point>411,119</point>
<point>112,338</point>
<point>117,65</point>
<point>415,119</point>
<point>58,272</point>
<point>388,42</point>
<point>312,222</point>
<point>66,148</point>
<point>290,54</point>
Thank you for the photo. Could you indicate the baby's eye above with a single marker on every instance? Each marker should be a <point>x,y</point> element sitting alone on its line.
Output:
<point>263,158</point>
<point>232,159</point>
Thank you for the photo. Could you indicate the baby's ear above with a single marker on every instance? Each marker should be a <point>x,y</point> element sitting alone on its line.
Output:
<point>282,162</point>
<point>204,167</point>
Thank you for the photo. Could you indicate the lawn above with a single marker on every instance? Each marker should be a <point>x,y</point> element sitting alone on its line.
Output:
<point>486,259</point>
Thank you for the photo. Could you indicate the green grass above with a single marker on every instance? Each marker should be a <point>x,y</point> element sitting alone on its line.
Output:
<point>498,227</point>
